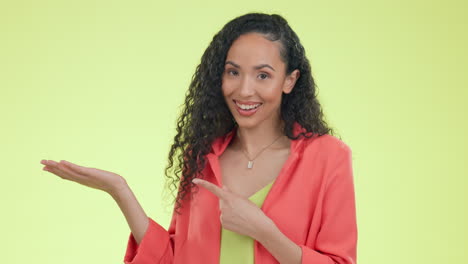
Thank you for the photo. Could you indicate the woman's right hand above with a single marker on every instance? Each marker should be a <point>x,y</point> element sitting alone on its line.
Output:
<point>95,178</point>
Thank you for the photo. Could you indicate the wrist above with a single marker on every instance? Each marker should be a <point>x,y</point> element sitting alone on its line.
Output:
<point>120,188</point>
<point>265,231</point>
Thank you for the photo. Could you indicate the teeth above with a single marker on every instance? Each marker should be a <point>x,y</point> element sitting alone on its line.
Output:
<point>247,107</point>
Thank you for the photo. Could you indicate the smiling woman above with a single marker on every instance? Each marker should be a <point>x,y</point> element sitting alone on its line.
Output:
<point>261,83</point>
<point>276,184</point>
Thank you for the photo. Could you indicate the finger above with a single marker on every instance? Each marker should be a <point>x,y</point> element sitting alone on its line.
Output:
<point>57,171</point>
<point>70,172</point>
<point>63,172</point>
<point>49,163</point>
<point>76,168</point>
<point>221,204</point>
<point>210,187</point>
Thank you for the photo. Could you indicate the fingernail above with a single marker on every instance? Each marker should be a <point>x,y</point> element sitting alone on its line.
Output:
<point>195,181</point>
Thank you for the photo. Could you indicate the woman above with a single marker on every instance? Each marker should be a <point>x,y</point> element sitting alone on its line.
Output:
<point>276,185</point>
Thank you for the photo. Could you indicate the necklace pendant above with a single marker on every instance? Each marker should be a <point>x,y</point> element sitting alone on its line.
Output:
<point>250,164</point>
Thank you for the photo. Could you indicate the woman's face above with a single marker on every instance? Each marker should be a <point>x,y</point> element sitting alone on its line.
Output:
<point>254,80</point>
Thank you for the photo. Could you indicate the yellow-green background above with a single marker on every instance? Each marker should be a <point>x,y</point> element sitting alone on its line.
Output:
<point>99,83</point>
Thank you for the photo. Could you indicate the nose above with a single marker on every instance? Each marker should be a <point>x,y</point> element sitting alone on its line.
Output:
<point>247,87</point>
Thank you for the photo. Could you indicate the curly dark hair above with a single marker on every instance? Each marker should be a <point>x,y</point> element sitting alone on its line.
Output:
<point>206,116</point>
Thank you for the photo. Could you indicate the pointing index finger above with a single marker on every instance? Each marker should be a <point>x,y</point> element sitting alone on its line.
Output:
<point>210,187</point>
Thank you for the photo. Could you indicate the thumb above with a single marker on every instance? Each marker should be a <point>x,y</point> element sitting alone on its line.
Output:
<point>225,188</point>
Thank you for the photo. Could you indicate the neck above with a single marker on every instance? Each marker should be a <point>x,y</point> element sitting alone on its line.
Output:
<point>254,139</point>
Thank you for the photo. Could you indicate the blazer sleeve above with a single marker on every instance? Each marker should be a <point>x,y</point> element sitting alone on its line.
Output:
<point>336,241</point>
<point>157,245</point>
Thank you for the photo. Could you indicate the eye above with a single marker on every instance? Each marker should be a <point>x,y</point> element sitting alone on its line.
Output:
<point>234,72</point>
<point>264,75</point>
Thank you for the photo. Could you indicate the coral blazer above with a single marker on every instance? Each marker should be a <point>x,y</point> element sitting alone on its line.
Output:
<point>312,202</point>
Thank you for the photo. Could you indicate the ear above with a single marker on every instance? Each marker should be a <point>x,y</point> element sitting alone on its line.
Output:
<point>290,81</point>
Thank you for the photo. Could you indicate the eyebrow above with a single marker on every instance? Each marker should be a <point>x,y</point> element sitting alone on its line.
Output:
<point>255,67</point>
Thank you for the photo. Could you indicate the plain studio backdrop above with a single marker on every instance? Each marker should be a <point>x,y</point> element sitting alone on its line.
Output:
<point>100,84</point>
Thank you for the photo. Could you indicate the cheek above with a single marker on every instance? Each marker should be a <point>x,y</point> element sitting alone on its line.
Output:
<point>273,94</point>
<point>227,88</point>
<point>224,90</point>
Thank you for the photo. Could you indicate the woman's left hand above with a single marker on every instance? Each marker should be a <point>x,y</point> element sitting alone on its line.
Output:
<point>238,214</point>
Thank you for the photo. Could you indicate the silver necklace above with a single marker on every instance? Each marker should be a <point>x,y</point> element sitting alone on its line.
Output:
<point>250,163</point>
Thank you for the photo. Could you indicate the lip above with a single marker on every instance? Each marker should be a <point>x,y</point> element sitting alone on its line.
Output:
<point>246,102</point>
<point>247,113</point>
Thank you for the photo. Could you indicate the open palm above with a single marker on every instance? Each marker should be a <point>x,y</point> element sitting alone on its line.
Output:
<point>95,178</point>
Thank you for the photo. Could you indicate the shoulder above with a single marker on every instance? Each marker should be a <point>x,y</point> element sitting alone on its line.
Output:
<point>326,146</point>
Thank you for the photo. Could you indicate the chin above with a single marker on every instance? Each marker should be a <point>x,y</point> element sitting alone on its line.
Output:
<point>251,123</point>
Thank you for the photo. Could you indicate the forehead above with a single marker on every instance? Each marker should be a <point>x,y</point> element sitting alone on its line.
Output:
<point>252,49</point>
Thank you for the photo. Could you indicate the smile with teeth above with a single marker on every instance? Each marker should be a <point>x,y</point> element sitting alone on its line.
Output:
<point>247,107</point>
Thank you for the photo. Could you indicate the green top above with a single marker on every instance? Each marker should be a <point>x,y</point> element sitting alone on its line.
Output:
<point>236,248</point>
